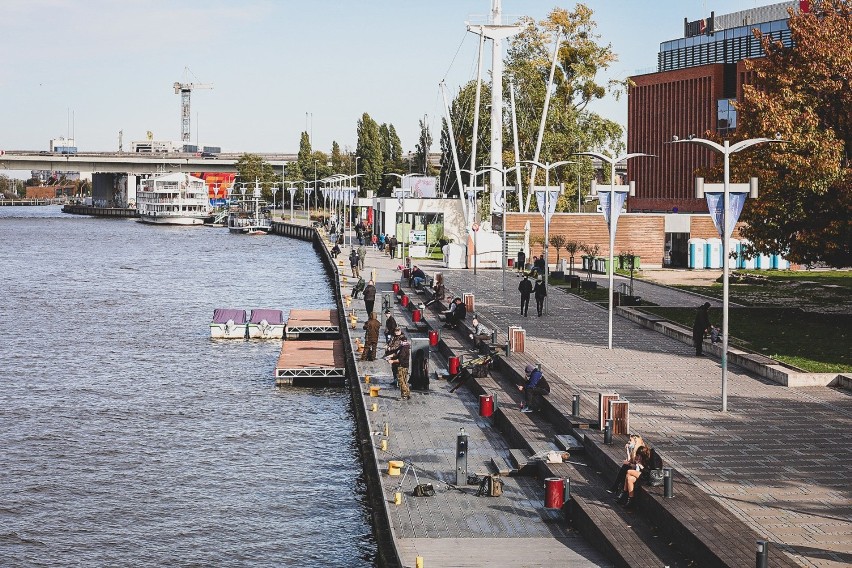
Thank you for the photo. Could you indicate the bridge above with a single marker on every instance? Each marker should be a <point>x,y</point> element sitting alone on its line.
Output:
<point>131,163</point>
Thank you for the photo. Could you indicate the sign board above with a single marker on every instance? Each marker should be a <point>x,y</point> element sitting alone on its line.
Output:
<point>421,186</point>
<point>417,237</point>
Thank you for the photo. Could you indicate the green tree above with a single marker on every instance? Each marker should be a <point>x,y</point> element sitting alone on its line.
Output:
<point>570,126</point>
<point>336,158</point>
<point>461,112</point>
<point>305,156</point>
<point>424,145</point>
<point>558,242</point>
<point>251,167</point>
<point>803,94</point>
<point>370,150</point>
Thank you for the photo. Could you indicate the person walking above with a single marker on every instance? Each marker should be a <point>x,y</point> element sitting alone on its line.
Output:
<point>392,242</point>
<point>525,287</point>
<point>700,327</point>
<point>359,287</point>
<point>353,263</point>
<point>362,255</point>
<point>371,338</point>
<point>390,325</point>
<point>540,293</point>
<point>370,297</point>
<point>522,261</point>
<point>400,357</point>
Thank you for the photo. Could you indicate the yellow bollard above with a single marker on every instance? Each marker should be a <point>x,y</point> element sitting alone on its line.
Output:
<point>384,444</point>
<point>374,407</point>
<point>374,391</point>
<point>397,498</point>
<point>418,562</point>
<point>366,379</point>
<point>387,429</point>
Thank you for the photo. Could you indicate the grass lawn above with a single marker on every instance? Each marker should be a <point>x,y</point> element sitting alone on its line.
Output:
<point>801,318</point>
<point>816,342</point>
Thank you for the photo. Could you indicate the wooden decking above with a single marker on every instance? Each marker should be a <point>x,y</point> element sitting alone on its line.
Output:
<point>311,363</point>
<point>312,323</point>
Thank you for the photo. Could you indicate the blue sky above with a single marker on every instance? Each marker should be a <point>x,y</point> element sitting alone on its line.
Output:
<point>278,66</point>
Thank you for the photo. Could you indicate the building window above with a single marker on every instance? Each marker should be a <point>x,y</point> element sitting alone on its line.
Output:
<point>726,117</point>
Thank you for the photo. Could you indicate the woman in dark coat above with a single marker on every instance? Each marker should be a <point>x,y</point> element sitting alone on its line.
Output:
<point>540,293</point>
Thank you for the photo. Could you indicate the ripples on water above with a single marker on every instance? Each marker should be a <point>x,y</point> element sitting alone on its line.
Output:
<point>129,437</point>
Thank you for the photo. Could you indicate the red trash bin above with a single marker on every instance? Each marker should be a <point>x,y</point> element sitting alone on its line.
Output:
<point>396,287</point>
<point>454,365</point>
<point>554,492</point>
<point>433,337</point>
<point>404,301</point>
<point>511,262</point>
<point>416,316</point>
<point>406,273</point>
<point>486,405</point>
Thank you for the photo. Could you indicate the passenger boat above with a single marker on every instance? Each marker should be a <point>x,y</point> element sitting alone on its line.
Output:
<point>173,199</point>
<point>247,217</point>
<point>228,324</point>
<point>266,324</point>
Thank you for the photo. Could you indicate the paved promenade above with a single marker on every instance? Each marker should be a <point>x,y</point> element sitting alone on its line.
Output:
<point>777,460</point>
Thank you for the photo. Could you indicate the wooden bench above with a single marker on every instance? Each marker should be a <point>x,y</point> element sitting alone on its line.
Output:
<point>695,522</point>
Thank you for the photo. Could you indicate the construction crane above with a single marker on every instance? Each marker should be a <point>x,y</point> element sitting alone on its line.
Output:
<point>185,89</point>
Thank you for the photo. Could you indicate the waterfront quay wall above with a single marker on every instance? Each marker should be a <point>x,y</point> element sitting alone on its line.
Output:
<point>388,556</point>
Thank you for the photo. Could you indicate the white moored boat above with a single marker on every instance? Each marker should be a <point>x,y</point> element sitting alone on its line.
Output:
<point>266,324</point>
<point>173,199</point>
<point>247,217</point>
<point>228,324</point>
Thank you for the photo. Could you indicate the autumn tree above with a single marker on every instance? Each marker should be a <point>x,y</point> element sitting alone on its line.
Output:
<point>558,241</point>
<point>804,95</point>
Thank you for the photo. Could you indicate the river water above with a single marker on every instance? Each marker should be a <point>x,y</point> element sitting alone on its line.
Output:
<point>128,437</point>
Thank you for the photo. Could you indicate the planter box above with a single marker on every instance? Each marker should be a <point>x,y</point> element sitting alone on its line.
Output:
<point>589,285</point>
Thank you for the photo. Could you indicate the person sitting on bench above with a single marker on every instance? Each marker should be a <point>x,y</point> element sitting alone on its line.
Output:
<point>417,277</point>
<point>535,386</point>
<point>481,335</point>
<point>631,447</point>
<point>457,314</point>
<point>643,459</point>
<point>438,290</point>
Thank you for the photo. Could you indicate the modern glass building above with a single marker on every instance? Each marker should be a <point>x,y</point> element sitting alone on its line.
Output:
<point>699,77</point>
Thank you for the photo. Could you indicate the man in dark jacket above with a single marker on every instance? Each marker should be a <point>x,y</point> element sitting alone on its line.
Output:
<point>371,338</point>
<point>392,244</point>
<point>370,297</point>
<point>390,325</point>
<point>353,262</point>
<point>522,261</point>
<point>399,359</point>
<point>525,287</point>
<point>700,327</point>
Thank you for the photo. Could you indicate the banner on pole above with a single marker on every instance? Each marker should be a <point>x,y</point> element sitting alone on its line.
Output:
<point>541,200</point>
<point>716,205</point>
<point>617,204</point>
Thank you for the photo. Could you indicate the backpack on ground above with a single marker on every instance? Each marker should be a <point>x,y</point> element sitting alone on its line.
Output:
<point>490,486</point>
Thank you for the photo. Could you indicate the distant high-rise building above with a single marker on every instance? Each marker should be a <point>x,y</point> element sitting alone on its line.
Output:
<point>698,78</point>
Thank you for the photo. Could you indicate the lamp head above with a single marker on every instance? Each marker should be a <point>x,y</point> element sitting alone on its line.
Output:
<point>675,138</point>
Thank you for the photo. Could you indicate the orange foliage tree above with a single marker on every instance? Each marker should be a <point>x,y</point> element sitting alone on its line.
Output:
<point>804,95</point>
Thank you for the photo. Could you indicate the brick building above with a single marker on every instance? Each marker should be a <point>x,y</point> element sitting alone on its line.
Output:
<point>699,78</point>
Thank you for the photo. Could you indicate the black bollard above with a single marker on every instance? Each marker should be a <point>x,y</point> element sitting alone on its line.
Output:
<point>575,405</point>
<point>762,554</point>
<point>461,457</point>
<point>608,432</point>
<point>667,482</point>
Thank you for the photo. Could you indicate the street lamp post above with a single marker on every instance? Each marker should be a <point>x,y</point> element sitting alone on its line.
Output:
<point>611,214</point>
<point>725,226</point>
<point>546,213</point>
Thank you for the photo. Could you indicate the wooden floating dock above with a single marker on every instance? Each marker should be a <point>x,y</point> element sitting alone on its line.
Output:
<point>312,323</point>
<point>319,362</point>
